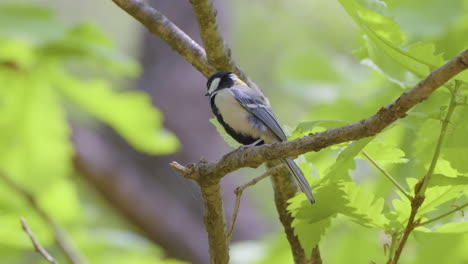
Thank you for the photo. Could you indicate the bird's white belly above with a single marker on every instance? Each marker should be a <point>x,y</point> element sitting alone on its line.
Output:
<point>235,115</point>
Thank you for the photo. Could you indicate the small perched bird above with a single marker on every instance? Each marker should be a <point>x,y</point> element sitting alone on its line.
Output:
<point>248,119</point>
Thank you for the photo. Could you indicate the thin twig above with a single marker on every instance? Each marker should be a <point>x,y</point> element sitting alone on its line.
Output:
<point>440,141</point>
<point>421,187</point>
<point>393,245</point>
<point>238,192</point>
<point>63,242</point>
<point>36,244</point>
<point>458,208</point>
<point>415,204</point>
<point>387,174</point>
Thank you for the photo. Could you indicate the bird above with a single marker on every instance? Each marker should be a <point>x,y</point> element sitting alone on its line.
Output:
<point>249,119</point>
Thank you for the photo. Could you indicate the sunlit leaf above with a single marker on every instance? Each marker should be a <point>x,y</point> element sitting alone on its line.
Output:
<point>130,113</point>
<point>450,228</point>
<point>39,149</point>
<point>362,206</point>
<point>86,41</point>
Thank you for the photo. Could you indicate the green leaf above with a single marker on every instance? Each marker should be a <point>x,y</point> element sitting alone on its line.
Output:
<point>438,195</point>
<point>310,233</point>
<point>362,206</point>
<point>385,152</point>
<point>450,228</point>
<point>36,130</point>
<point>61,201</point>
<point>18,53</point>
<point>442,180</point>
<point>444,167</point>
<point>435,196</point>
<point>456,145</point>
<point>301,209</point>
<point>227,138</point>
<point>310,221</point>
<point>86,41</point>
<point>28,23</point>
<point>384,36</point>
<point>345,161</point>
<point>129,113</point>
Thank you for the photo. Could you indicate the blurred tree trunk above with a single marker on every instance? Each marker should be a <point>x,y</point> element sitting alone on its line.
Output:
<point>166,207</point>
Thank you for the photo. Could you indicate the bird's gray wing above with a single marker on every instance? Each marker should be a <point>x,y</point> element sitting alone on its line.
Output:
<point>254,105</point>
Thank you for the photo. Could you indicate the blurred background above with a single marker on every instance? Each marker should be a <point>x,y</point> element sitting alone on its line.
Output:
<point>113,192</point>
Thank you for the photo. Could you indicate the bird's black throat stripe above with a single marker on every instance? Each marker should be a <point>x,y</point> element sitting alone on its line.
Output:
<point>241,138</point>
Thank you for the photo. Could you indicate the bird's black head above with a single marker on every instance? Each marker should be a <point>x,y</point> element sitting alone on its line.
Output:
<point>220,80</point>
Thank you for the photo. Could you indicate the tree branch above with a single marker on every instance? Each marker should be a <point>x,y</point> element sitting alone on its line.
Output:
<point>255,156</point>
<point>219,55</point>
<point>36,244</point>
<point>64,243</point>
<point>214,219</point>
<point>161,26</point>
<point>285,189</point>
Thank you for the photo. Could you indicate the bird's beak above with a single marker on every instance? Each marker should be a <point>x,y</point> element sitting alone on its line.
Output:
<point>207,93</point>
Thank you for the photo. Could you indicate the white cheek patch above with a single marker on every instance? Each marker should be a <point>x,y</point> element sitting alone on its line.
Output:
<point>214,85</point>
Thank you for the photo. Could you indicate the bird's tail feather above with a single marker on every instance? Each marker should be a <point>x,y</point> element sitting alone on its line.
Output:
<point>300,179</point>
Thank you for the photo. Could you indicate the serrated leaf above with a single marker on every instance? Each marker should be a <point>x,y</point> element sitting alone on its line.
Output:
<point>345,160</point>
<point>438,195</point>
<point>387,37</point>
<point>129,113</point>
<point>227,138</point>
<point>444,167</point>
<point>310,233</point>
<point>362,206</point>
<point>311,221</point>
<point>301,209</point>
<point>384,152</point>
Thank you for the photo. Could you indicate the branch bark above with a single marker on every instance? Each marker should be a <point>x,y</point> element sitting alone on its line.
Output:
<point>161,26</point>
<point>215,222</point>
<point>219,55</point>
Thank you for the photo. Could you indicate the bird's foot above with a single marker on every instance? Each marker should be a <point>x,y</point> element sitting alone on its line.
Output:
<point>243,147</point>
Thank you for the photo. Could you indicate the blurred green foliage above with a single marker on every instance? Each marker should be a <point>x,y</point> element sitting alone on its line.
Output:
<point>40,60</point>
<point>342,61</point>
